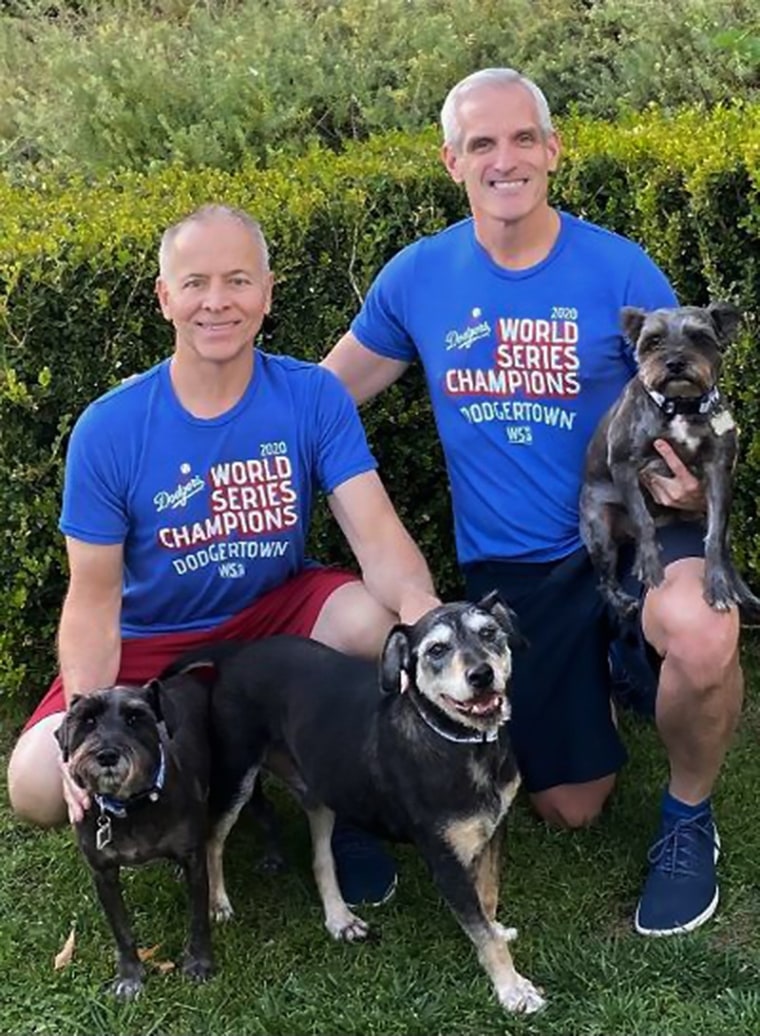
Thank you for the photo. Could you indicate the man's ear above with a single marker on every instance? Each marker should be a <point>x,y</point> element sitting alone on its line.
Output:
<point>162,294</point>
<point>395,659</point>
<point>450,158</point>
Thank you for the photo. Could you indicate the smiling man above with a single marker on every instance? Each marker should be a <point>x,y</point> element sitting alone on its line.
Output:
<point>187,501</point>
<point>514,314</point>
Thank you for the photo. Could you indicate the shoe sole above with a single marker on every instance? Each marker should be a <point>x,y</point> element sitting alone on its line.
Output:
<point>391,892</point>
<point>687,926</point>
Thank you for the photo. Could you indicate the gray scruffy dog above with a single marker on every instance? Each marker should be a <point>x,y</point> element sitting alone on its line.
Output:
<point>148,781</point>
<point>675,397</point>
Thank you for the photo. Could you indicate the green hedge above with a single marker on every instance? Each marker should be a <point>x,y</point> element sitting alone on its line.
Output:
<point>77,311</point>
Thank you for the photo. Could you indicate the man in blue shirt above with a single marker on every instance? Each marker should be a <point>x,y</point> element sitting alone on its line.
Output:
<point>514,315</point>
<point>186,507</point>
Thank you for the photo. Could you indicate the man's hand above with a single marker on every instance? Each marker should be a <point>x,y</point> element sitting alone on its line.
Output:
<point>681,490</point>
<point>77,800</point>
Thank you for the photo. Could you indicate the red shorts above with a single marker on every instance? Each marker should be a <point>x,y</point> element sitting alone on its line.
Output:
<point>290,608</point>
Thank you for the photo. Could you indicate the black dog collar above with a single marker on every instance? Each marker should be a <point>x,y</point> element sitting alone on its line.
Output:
<point>672,406</point>
<point>459,733</point>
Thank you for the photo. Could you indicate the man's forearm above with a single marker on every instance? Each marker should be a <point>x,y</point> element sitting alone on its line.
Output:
<point>89,649</point>
<point>400,580</point>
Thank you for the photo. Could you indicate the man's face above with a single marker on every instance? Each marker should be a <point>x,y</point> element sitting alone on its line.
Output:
<point>502,156</point>
<point>215,290</point>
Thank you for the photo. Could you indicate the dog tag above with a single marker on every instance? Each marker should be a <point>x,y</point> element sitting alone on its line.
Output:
<point>103,834</point>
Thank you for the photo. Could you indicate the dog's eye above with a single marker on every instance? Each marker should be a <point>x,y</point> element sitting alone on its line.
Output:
<point>488,633</point>
<point>131,717</point>
<point>437,650</point>
<point>653,341</point>
<point>88,722</point>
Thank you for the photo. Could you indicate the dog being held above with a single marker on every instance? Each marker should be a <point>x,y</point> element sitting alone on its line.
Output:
<point>675,397</point>
<point>416,759</point>
<point>142,755</point>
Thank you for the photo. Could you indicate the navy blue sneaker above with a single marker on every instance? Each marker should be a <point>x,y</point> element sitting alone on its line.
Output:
<point>681,890</point>
<point>366,873</point>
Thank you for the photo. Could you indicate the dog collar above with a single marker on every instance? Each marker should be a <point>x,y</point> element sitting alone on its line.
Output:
<point>672,406</point>
<point>119,807</point>
<point>461,737</point>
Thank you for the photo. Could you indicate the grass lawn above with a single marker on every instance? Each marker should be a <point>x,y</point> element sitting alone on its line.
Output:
<point>570,894</point>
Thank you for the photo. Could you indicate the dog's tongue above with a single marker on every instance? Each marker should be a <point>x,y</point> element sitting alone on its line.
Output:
<point>481,706</point>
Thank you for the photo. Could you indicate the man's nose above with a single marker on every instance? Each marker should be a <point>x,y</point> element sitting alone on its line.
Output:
<point>505,155</point>
<point>215,297</point>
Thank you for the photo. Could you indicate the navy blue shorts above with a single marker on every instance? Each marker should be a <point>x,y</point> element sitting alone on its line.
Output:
<point>561,726</point>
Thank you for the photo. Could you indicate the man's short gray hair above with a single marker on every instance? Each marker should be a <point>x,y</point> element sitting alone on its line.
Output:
<point>452,131</point>
<point>201,215</point>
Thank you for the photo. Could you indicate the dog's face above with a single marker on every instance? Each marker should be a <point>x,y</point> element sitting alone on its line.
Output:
<point>459,657</point>
<point>111,740</point>
<point>678,350</point>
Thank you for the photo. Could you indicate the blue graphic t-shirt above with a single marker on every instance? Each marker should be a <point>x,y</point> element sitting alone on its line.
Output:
<point>520,367</point>
<point>212,513</point>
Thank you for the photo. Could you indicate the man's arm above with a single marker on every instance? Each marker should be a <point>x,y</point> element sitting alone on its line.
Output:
<point>364,373</point>
<point>89,637</point>
<point>393,568</point>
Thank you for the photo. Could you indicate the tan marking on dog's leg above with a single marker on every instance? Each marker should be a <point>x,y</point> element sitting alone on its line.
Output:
<point>220,907</point>
<point>468,837</point>
<point>487,885</point>
<point>515,992</point>
<point>340,922</point>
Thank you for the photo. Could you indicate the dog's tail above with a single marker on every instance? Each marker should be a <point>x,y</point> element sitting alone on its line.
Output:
<point>209,654</point>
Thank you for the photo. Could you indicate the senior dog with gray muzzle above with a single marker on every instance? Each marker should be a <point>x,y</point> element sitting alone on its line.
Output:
<point>415,753</point>
<point>675,397</point>
<point>142,755</point>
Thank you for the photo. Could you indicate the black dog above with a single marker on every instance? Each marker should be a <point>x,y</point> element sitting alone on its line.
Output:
<point>142,755</point>
<point>675,397</point>
<point>421,762</point>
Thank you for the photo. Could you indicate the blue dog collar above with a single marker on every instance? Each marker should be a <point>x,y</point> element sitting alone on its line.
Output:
<point>672,406</point>
<point>119,807</point>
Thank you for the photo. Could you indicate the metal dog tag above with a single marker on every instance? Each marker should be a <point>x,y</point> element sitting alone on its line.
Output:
<point>103,834</point>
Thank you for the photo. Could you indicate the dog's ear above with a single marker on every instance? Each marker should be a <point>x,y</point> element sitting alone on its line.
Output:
<point>493,603</point>
<point>395,659</point>
<point>726,318</point>
<point>632,320</point>
<point>152,693</point>
<point>62,733</point>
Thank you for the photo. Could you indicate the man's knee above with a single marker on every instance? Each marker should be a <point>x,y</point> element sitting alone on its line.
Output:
<point>353,621</point>
<point>573,805</point>
<point>34,780</point>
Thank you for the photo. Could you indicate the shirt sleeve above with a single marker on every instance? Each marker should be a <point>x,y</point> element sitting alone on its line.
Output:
<point>342,448</point>
<point>381,325</point>
<point>94,499</point>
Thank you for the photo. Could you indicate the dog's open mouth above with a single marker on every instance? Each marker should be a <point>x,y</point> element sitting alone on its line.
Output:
<point>484,705</point>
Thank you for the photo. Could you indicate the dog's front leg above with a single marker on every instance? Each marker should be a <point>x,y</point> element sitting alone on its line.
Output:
<point>720,592</point>
<point>456,885</point>
<point>596,531</point>
<point>487,884</point>
<point>130,976</point>
<point>648,566</point>
<point>340,922</point>
<point>198,963</point>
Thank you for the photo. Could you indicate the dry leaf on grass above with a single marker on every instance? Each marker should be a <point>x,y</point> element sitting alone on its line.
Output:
<point>62,959</point>
<point>147,956</point>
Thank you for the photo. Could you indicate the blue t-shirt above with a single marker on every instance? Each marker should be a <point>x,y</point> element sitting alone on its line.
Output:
<point>520,367</point>
<point>212,513</point>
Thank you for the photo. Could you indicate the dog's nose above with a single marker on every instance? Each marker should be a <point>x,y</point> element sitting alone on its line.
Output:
<point>480,676</point>
<point>675,365</point>
<point>107,757</point>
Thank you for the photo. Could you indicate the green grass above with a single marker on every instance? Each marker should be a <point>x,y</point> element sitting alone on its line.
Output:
<point>571,895</point>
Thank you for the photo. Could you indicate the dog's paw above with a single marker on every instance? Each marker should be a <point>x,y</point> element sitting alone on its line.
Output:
<point>626,606</point>
<point>648,568</point>
<point>221,910</point>
<point>521,997</point>
<point>347,927</point>
<point>719,591</point>
<point>199,969</point>
<point>502,932</point>
<point>127,987</point>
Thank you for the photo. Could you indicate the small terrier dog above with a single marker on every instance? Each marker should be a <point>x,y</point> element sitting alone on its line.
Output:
<point>675,397</point>
<point>148,781</point>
